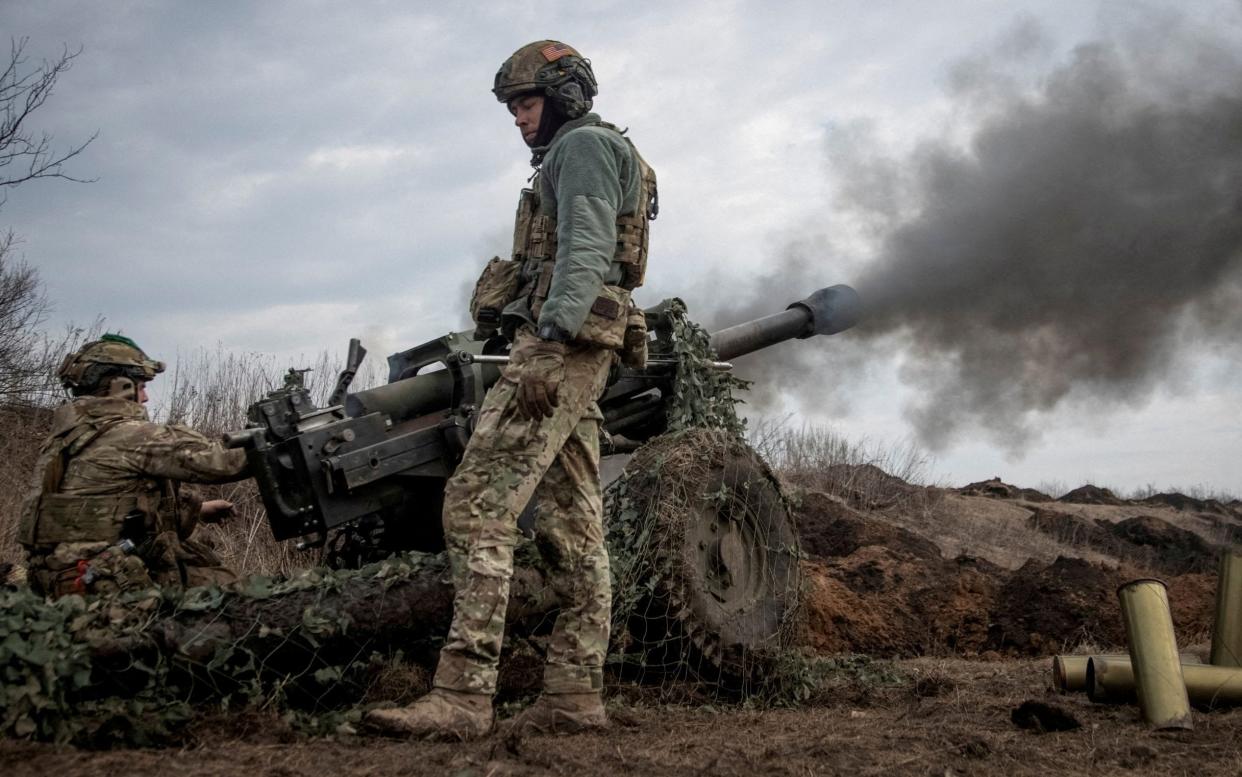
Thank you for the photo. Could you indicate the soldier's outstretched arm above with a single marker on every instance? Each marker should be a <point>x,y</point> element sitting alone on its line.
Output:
<point>179,453</point>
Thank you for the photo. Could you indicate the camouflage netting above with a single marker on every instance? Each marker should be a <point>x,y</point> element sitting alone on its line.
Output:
<point>705,559</point>
<point>703,549</point>
<point>125,668</point>
<point>704,397</point>
<point>705,568</point>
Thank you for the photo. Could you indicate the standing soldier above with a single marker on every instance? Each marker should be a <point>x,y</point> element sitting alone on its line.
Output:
<point>107,511</point>
<point>580,247</point>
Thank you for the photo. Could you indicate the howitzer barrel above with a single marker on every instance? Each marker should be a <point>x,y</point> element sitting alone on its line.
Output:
<point>407,398</point>
<point>826,312</point>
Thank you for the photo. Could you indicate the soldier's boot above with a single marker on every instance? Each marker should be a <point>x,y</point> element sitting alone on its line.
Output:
<point>441,714</point>
<point>561,713</point>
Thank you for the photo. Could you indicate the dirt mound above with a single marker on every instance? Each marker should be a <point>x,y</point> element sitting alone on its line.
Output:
<point>1091,495</point>
<point>1076,531</point>
<point>1227,531</point>
<point>1192,600</point>
<point>1147,542</point>
<point>828,528</point>
<point>1182,502</point>
<point>1045,608</point>
<point>864,486</point>
<point>888,603</point>
<point>998,489</point>
<point>1176,551</point>
<point>883,590</point>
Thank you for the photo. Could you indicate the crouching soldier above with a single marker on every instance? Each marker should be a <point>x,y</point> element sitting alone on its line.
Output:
<point>107,510</point>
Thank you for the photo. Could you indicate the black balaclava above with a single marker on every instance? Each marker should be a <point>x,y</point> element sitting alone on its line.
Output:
<point>549,122</point>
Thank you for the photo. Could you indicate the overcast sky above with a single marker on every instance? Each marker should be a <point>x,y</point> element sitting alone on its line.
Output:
<point>279,176</point>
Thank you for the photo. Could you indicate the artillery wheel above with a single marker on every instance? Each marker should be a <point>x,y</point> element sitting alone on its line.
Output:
<point>701,515</point>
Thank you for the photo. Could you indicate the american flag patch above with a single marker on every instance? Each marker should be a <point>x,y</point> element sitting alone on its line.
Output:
<point>555,51</point>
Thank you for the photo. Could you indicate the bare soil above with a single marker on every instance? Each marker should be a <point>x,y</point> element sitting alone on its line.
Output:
<point>954,717</point>
<point>991,573</point>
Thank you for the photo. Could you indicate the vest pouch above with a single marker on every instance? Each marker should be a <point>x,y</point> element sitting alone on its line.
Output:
<point>634,349</point>
<point>497,286</point>
<point>70,518</point>
<point>607,319</point>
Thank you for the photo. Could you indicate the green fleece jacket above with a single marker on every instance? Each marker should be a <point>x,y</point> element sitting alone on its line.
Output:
<point>590,175</point>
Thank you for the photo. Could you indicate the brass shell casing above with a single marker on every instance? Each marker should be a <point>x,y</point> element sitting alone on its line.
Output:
<point>1069,673</point>
<point>1227,627</point>
<point>1112,682</point>
<point>1157,668</point>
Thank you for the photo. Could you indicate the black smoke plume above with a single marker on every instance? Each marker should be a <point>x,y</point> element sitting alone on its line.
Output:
<point>1081,244</point>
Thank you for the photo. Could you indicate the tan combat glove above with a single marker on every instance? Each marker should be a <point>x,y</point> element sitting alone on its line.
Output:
<point>540,378</point>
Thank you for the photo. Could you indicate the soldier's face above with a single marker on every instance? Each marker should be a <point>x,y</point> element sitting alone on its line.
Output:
<point>527,110</point>
<point>142,392</point>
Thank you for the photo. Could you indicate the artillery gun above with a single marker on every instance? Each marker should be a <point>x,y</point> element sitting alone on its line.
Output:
<point>364,476</point>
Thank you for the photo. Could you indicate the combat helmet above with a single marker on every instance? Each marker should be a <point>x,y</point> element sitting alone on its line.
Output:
<point>553,69</point>
<point>91,367</point>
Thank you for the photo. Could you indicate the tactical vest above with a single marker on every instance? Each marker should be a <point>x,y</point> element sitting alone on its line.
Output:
<point>528,274</point>
<point>50,517</point>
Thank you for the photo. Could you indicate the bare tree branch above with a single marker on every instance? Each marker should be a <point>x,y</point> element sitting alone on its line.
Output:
<point>25,154</point>
<point>23,308</point>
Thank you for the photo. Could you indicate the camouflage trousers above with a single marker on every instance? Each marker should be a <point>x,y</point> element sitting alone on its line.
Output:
<point>510,459</point>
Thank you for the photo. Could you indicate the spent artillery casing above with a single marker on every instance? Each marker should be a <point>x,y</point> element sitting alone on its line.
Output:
<point>1069,673</point>
<point>1112,681</point>
<point>1157,669</point>
<point>1227,626</point>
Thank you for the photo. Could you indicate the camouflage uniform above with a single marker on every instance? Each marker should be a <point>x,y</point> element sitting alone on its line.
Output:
<point>509,459</point>
<point>119,477</point>
<point>579,249</point>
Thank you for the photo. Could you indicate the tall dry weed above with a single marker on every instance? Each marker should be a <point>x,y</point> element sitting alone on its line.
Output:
<point>25,420</point>
<point>210,391</point>
<point>865,473</point>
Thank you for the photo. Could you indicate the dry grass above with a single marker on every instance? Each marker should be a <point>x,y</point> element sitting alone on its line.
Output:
<point>998,531</point>
<point>1216,530</point>
<point>1200,491</point>
<point>210,390</point>
<point>866,474</point>
<point>22,430</point>
<point>25,419</point>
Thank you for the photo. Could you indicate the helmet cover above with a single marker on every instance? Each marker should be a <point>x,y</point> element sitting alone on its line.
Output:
<point>550,68</point>
<point>110,354</point>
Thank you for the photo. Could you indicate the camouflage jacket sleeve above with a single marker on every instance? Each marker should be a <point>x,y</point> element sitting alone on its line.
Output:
<point>588,171</point>
<point>175,452</point>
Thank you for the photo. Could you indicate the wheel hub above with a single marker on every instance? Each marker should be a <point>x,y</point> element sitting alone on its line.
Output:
<point>732,558</point>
